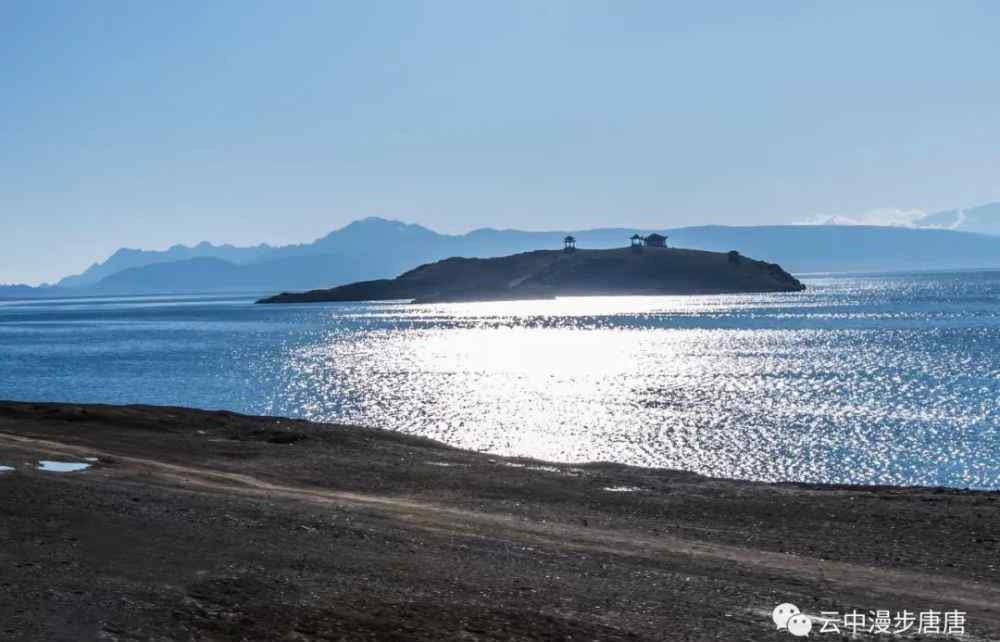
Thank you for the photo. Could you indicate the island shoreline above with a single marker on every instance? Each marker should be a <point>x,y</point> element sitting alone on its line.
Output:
<point>547,274</point>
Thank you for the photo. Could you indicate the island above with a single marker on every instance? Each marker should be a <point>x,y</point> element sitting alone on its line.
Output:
<point>545,274</point>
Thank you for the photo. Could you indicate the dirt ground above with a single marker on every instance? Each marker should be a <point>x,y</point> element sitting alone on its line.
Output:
<point>195,525</point>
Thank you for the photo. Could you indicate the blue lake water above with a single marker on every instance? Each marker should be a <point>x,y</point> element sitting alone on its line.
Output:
<point>866,379</point>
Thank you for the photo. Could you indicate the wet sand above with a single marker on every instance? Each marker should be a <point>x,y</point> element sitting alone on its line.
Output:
<point>197,525</point>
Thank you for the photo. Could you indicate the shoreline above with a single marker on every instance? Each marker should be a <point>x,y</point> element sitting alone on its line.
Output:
<point>213,525</point>
<point>7,404</point>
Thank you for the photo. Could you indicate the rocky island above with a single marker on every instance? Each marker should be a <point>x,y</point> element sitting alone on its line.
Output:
<point>549,273</point>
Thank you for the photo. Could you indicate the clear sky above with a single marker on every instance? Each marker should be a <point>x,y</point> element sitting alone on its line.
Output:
<point>145,124</point>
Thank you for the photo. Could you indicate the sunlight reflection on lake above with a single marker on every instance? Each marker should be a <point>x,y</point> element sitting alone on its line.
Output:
<point>887,379</point>
<point>762,387</point>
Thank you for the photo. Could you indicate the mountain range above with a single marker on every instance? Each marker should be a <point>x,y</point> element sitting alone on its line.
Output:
<point>375,248</point>
<point>984,219</point>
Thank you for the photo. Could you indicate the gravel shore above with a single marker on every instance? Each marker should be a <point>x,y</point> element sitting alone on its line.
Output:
<point>194,525</point>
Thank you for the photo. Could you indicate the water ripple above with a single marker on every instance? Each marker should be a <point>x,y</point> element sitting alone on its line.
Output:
<point>860,379</point>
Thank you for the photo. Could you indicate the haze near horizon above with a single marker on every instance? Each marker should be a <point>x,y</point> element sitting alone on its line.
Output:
<point>148,126</point>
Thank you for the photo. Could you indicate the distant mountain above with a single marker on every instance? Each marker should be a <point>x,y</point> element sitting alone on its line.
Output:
<point>983,220</point>
<point>414,244</point>
<point>365,249</point>
<point>375,248</point>
<point>206,274</point>
<point>126,258</point>
<point>21,291</point>
<point>397,246</point>
<point>177,276</point>
<point>848,248</point>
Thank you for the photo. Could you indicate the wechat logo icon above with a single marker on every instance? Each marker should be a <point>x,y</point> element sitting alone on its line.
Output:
<point>787,616</point>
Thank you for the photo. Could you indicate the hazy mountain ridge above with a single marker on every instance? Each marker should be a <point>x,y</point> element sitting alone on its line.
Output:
<point>375,248</point>
<point>849,248</point>
<point>984,219</point>
<point>209,274</point>
<point>126,258</point>
<point>357,239</point>
<point>364,249</point>
<point>21,291</point>
<point>380,249</point>
<point>483,242</point>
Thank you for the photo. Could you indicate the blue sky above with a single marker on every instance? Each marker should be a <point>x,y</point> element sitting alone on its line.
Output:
<point>148,124</point>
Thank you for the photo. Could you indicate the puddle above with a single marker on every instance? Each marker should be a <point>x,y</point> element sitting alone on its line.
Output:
<point>439,463</point>
<point>6,469</point>
<point>61,466</point>
<point>90,459</point>
<point>622,489</point>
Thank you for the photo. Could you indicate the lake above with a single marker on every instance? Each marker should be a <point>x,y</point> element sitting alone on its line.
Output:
<point>860,379</point>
